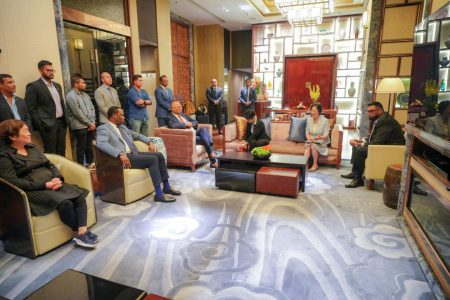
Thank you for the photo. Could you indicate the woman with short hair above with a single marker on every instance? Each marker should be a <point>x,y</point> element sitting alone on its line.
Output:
<point>317,135</point>
<point>25,166</point>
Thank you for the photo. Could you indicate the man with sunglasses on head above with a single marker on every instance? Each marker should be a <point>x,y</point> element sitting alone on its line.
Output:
<point>45,102</point>
<point>384,130</point>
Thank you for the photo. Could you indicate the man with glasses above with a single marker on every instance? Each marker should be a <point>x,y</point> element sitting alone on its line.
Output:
<point>45,102</point>
<point>384,130</point>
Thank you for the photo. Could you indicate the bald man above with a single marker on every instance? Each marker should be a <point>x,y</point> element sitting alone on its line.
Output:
<point>177,120</point>
<point>105,97</point>
<point>214,94</point>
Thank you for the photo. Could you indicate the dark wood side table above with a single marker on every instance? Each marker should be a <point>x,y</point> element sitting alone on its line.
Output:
<point>391,185</point>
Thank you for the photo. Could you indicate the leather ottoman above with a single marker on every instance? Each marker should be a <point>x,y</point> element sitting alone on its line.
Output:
<point>278,181</point>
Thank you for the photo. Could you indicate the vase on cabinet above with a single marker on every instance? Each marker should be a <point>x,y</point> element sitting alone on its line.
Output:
<point>351,91</point>
<point>444,62</point>
<point>279,73</point>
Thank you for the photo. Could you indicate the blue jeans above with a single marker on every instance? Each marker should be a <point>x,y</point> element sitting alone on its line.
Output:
<point>139,126</point>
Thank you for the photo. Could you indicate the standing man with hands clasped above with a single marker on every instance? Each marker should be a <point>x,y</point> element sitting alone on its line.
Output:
<point>81,117</point>
<point>214,94</point>
<point>138,100</point>
<point>105,97</point>
<point>45,101</point>
<point>247,97</point>
<point>164,98</point>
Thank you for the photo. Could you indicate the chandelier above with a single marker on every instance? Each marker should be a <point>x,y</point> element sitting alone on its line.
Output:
<point>304,12</point>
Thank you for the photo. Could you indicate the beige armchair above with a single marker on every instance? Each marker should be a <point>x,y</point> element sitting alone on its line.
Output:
<point>30,236</point>
<point>181,146</point>
<point>119,185</point>
<point>379,157</point>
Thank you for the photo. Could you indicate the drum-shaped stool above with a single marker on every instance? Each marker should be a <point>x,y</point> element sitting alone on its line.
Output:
<point>391,185</point>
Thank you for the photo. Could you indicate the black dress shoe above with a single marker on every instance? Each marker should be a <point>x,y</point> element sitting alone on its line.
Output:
<point>355,183</point>
<point>165,199</point>
<point>171,191</point>
<point>348,176</point>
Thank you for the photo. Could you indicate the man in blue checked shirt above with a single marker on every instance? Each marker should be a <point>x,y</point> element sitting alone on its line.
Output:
<point>138,100</point>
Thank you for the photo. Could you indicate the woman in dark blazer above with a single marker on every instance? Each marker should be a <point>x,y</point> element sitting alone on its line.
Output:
<point>25,166</point>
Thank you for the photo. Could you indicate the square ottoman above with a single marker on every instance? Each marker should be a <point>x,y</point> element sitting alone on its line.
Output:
<point>278,181</point>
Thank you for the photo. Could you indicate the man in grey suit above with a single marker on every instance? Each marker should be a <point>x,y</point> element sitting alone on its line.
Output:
<point>247,97</point>
<point>116,139</point>
<point>105,97</point>
<point>11,106</point>
<point>214,94</point>
<point>45,102</point>
<point>81,117</point>
<point>164,98</point>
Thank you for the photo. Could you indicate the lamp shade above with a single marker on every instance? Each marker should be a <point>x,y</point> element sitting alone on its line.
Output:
<point>391,85</point>
<point>78,44</point>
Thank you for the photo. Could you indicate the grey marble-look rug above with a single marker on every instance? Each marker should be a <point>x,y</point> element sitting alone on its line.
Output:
<point>329,243</point>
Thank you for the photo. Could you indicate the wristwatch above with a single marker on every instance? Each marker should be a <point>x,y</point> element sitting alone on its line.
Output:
<point>121,153</point>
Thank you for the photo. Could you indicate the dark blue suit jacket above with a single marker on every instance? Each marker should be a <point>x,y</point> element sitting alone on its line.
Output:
<point>163,102</point>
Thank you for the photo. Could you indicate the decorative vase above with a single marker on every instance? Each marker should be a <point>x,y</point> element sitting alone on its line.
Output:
<point>276,58</point>
<point>342,33</point>
<point>444,62</point>
<point>351,91</point>
<point>356,33</point>
<point>447,42</point>
<point>279,73</point>
<point>269,85</point>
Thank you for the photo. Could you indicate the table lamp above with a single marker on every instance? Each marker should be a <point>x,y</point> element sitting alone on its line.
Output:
<point>390,86</point>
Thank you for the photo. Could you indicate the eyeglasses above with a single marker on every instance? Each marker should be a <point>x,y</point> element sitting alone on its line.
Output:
<point>371,110</point>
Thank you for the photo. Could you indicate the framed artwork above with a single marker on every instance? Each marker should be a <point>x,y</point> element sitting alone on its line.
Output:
<point>308,78</point>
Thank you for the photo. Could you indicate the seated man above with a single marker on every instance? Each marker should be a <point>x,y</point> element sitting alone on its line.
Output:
<point>176,119</point>
<point>385,131</point>
<point>255,134</point>
<point>116,139</point>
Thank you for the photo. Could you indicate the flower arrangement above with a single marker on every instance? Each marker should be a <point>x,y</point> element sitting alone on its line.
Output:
<point>257,84</point>
<point>430,102</point>
<point>314,91</point>
<point>263,152</point>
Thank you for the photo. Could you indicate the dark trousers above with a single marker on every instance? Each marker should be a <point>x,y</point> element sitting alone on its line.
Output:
<point>204,138</point>
<point>54,138</point>
<point>257,143</point>
<point>155,163</point>
<point>244,108</point>
<point>215,115</point>
<point>358,160</point>
<point>84,139</point>
<point>161,122</point>
<point>73,212</point>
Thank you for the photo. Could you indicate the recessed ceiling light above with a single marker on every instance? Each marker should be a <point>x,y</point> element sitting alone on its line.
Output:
<point>227,10</point>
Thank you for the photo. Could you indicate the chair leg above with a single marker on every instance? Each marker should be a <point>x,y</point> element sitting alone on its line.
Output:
<point>371,184</point>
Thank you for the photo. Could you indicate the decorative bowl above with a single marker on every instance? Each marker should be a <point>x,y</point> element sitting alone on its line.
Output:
<point>255,156</point>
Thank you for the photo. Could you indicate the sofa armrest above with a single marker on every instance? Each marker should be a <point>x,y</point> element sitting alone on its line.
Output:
<point>178,142</point>
<point>72,172</point>
<point>336,136</point>
<point>379,157</point>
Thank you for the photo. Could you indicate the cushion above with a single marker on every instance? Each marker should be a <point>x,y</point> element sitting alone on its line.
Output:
<point>331,122</point>
<point>241,127</point>
<point>266,122</point>
<point>297,132</point>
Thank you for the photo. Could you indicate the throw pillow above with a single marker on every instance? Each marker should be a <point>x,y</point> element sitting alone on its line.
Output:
<point>266,122</point>
<point>297,132</point>
<point>241,127</point>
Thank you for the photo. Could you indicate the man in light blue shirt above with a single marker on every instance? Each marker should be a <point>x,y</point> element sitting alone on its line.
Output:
<point>11,106</point>
<point>138,100</point>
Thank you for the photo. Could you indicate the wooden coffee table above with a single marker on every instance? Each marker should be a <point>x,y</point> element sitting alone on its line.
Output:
<point>242,163</point>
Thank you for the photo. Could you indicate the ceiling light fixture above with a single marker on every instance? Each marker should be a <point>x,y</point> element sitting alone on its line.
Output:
<point>304,12</point>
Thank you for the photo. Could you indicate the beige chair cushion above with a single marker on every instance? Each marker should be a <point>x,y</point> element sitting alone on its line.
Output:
<point>379,157</point>
<point>137,183</point>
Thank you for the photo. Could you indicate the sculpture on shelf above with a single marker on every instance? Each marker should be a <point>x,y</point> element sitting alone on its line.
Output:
<point>351,91</point>
<point>276,57</point>
<point>314,91</point>
<point>301,105</point>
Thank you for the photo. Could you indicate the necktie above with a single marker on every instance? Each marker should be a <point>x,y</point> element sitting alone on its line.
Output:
<point>130,143</point>
<point>214,93</point>
<point>248,92</point>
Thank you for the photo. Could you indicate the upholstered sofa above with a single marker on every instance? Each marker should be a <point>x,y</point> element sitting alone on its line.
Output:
<point>30,236</point>
<point>181,147</point>
<point>281,144</point>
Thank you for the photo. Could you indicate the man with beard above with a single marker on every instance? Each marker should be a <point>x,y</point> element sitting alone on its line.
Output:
<point>385,130</point>
<point>45,102</point>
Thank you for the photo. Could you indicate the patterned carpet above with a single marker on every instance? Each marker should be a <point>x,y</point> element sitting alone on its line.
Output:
<point>329,243</point>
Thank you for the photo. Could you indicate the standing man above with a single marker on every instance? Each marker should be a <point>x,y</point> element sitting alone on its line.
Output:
<point>81,117</point>
<point>164,98</point>
<point>45,102</point>
<point>214,94</point>
<point>177,120</point>
<point>105,97</point>
<point>385,131</point>
<point>11,106</point>
<point>247,97</point>
<point>116,140</point>
<point>138,100</point>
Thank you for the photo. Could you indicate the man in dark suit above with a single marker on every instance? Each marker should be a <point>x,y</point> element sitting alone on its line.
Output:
<point>214,94</point>
<point>164,98</point>
<point>11,106</point>
<point>255,134</point>
<point>45,102</point>
<point>178,120</point>
<point>247,97</point>
<point>385,130</point>
<point>115,139</point>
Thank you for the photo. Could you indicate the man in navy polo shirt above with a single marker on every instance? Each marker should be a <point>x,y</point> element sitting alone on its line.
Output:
<point>138,100</point>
